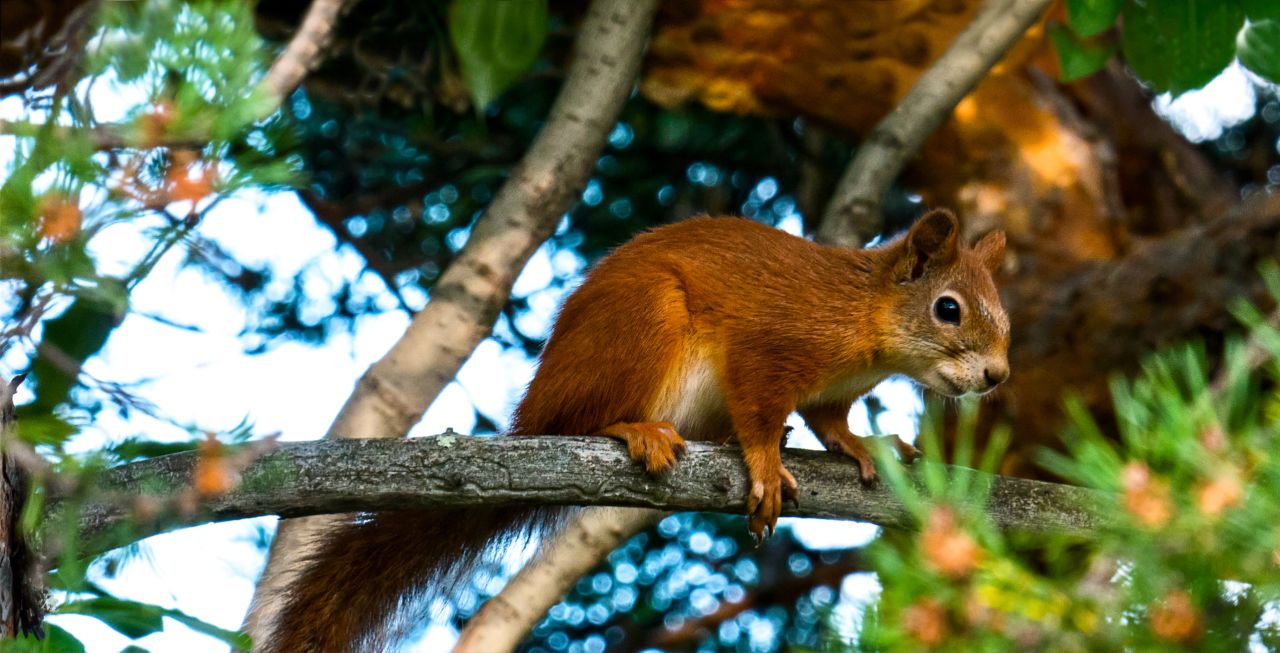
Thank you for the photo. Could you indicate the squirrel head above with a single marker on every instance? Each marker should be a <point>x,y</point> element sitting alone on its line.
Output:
<point>948,329</point>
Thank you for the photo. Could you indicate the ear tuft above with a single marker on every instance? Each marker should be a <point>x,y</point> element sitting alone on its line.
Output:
<point>990,250</point>
<point>931,242</point>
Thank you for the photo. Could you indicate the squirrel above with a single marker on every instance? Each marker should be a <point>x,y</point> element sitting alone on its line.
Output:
<point>710,329</point>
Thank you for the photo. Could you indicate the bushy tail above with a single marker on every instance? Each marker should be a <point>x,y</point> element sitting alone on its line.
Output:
<point>357,589</point>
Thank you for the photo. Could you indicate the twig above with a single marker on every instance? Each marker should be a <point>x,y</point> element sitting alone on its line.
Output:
<point>300,56</point>
<point>393,394</point>
<point>853,217</point>
<point>333,216</point>
<point>331,476</point>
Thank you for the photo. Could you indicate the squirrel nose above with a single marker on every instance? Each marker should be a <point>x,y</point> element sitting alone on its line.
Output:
<point>995,375</point>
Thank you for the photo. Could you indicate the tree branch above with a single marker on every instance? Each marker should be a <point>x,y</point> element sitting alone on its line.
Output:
<point>339,476</point>
<point>853,217</point>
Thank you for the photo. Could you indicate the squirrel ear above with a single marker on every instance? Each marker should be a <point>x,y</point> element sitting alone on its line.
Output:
<point>990,250</point>
<point>930,242</point>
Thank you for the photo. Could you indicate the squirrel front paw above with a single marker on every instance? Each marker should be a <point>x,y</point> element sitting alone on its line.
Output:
<point>771,485</point>
<point>656,445</point>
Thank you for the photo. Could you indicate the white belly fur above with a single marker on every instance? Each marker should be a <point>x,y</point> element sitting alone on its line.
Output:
<point>694,398</point>
<point>694,401</point>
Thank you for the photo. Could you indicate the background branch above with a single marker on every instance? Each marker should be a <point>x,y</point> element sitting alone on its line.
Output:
<point>333,476</point>
<point>504,620</point>
<point>853,216</point>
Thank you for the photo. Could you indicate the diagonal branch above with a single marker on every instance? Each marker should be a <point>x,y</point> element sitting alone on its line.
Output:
<point>853,217</point>
<point>333,476</point>
<point>394,393</point>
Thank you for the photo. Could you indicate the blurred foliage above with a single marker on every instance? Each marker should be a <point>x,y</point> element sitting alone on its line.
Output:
<point>195,65</point>
<point>1174,46</point>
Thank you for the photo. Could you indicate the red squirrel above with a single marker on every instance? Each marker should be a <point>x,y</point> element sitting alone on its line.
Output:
<point>710,329</point>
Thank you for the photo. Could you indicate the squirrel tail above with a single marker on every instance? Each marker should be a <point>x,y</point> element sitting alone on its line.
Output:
<point>355,591</point>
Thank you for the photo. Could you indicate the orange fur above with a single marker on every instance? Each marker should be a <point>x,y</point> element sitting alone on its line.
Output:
<point>712,329</point>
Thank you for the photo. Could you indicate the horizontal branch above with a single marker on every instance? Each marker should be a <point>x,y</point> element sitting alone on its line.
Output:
<point>339,476</point>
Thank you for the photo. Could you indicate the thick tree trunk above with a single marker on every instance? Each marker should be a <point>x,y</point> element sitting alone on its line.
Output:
<point>21,588</point>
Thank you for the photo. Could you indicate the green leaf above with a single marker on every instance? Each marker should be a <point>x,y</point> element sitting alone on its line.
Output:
<point>1179,45</point>
<point>239,641</point>
<point>132,619</point>
<point>1092,17</point>
<point>138,448</point>
<point>496,42</point>
<point>44,427</point>
<point>56,640</point>
<point>1259,49</point>
<point>1078,58</point>
<point>77,334</point>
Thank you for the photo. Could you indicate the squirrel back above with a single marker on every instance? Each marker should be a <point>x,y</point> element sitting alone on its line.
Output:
<point>710,329</point>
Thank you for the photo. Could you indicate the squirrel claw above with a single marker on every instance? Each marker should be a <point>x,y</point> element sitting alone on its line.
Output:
<point>764,501</point>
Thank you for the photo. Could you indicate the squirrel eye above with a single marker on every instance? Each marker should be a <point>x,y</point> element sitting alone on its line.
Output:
<point>947,310</point>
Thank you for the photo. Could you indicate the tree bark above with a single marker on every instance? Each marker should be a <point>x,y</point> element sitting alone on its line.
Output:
<point>339,476</point>
<point>21,589</point>
<point>393,394</point>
